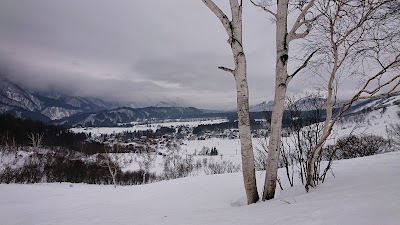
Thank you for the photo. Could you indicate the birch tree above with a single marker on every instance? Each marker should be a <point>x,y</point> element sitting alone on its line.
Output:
<point>298,30</point>
<point>360,40</point>
<point>233,28</point>
<point>113,159</point>
<point>146,159</point>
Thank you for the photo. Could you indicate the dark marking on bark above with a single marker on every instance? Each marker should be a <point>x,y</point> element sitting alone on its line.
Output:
<point>282,85</point>
<point>284,58</point>
<point>285,43</point>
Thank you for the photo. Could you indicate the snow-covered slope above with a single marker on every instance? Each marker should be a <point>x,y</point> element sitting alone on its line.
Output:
<point>167,104</point>
<point>375,104</point>
<point>263,106</point>
<point>55,113</point>
<point>112,117</point>
<point>13,95</point>
<point>44,105</point>
<point>374,116</point>
<point>364,192</point>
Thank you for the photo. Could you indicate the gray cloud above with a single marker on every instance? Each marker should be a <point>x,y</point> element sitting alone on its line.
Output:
<point>133,50</point>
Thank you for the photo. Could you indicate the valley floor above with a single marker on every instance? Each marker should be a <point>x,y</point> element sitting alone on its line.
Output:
<point>365,191</point>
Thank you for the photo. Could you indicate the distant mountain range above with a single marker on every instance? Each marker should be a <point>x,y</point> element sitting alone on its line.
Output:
<point>167,104</point>
<point>263,106</point>
<point>375,104</point>
<point>81,111</point>
<point>45,106</point>
<point>303,104</point>
<point>113,117</point>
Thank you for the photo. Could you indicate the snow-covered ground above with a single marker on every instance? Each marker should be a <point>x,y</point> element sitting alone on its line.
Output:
<point>365,192</point>
<point>152,126</point>
<point>375,122</point>
<point>385,113</point>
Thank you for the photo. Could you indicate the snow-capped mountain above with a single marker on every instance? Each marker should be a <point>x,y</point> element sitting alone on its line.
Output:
<point>303,104</point>
<point>167,104</point>
<point>375,104</point>
<point>263,106</point>
<point>310,103</point>
<point>44,105</point>
<point>12,95</point>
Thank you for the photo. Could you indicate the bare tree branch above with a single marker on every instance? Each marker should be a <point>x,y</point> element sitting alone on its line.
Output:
<point>302,66</point>
<point>350,30</point>
<point>221,16</point>
<point>227,70</point>
<point>300,18</point>
<point>263,8</point>
<point>36,139</point>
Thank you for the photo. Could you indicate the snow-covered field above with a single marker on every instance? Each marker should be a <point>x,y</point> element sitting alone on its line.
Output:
<point>365,192</point>
<point>152,126</point>
<point>375,122</point>
<point>228,150</point>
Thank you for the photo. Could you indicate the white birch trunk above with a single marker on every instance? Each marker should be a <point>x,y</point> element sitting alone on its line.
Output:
<point>113,173</point>
<point>249,176</point>
<point>282,49</point>
<point>234,31</point>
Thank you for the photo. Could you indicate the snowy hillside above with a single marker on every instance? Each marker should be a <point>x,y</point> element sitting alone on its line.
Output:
<point>13,95</point>
<point>167,104</point>
<point>55,113</point>
<point>263,106</point>
<point>45,106</point>
<point>372,117</point>
<point>375,104</point>
<point>109,118</point>
<point>364,192</point>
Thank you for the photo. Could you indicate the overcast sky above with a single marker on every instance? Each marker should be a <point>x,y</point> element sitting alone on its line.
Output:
<point>130,50</point>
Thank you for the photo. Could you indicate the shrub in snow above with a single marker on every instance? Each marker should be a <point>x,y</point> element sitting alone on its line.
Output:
<point>65,166</point>
<point>353,146</point>
<point>214,151</point>
<point>175,163</point>
<point>146,160</point>
<point>394,135</point>
<point>221,167</point>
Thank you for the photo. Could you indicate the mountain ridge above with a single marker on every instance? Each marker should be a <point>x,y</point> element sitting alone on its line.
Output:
<point>113,117</point>
<point>46,106</point>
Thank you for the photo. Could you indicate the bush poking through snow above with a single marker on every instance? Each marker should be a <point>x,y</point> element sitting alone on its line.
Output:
<point>221,167</point>
<point>65,166</point>
<point>175,163</point>
<point>358,146</point>
<point>146,160</point>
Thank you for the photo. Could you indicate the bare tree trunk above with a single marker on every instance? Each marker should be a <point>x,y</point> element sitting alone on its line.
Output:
<point>113,172</point>
<point>281,79</point>
<point>115,182</point>
<point>300,29</point>
<point>234,31</point>
<point>249,176</point>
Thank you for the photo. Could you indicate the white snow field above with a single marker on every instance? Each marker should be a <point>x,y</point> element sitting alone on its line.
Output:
<point>152,126</point>
<point>366,191</point>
